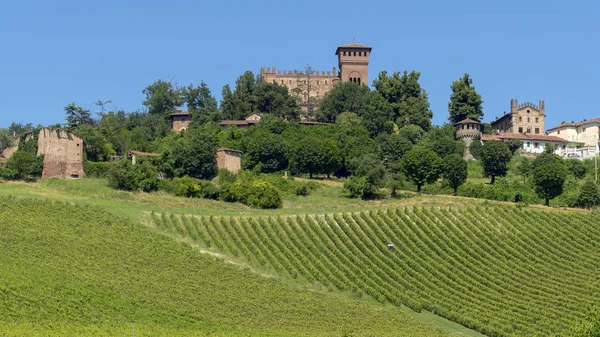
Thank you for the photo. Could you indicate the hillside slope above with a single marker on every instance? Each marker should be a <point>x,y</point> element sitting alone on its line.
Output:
<point>502,270</point>
<point>73,270</point>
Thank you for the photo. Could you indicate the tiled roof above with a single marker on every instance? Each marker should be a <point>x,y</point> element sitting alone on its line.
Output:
<point>597,119</point>
<point>523,136</point>
<point>180,113</point>
<point>237,122</point>
<point>468,121</point>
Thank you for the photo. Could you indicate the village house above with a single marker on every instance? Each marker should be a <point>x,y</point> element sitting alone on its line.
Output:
<point>532,143</point>
<point>582,138</point>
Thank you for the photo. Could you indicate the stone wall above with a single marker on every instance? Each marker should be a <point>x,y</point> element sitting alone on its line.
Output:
<point>180,123</point>
<point>229,159</point>
<point>9,151</point>
<point>63,154</point>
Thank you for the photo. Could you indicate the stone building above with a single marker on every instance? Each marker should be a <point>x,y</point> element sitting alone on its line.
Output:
<point>523,118</point>
<point>467,130</point>
<point>9,151</point>
<point>63,154</point>
<point>532,144</point>
<point>229,159</point>
<point>180,120</point>
<point>353,65</point>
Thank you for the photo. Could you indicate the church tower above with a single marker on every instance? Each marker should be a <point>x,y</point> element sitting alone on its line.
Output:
<point>353,62</point>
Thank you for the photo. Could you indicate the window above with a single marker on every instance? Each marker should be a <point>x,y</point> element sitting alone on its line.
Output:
<point>281,81</point>
<point>558,132</point>
<point>528,120</point>
<point>536,145</point>
<point>183,120</point>
<point>290,82</point>
<point>317,82</point>
<point>359,80</point>
<point>528,130</point>
<point>537,130</point>
<point>468,126</point>
<point>325,82</point>
<point>537,120</point>
<point>583,129</point>
<point>528,144</point>
<point>520,130</point>
<point>359,53</point>
<point>344,53</point>
<point>354,53</point>
<point>463,127</point>
<point>520,119</point>
<point>527,110</point>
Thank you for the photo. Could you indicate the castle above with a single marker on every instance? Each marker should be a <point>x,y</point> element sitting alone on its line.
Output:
<point>522,118</point>
<point>311,85</point>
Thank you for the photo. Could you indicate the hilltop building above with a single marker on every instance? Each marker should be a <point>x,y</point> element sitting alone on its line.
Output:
<point>310,85</point>
<point>523,118</point>
<point>180,120</point>
<point>582,138</point>
<point>63,154</point>
<point>467,130</point>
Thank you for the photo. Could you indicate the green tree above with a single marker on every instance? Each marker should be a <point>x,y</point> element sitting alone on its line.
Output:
<point>96,147</point>
<point>393,147</point>
<point>407,98</point>
<point>375,112</point>
<point>5,139</point>
<point>194,154</point>
<point>241,101</point>
<point>475,147</point>
<point>549,180</point>
<point>495,157</point>
<point>514,145</point>
<point>25,165</point>
<point>454,170</point>
<point>576,167</point>
<point>421,166</point>
<point>314,155</point>
<point>348,119</point>
<point>524,168</point>
<point>162,97</point>
<point>268,150</point>
<point>413,133</point>
<point>19,128</point>
<point>441,140</point>
<point>275,99</point>
<point>465,102</point>
<point>367,176</point>
<point>589,196</point>
<point>546,158</point>
<point>77,115</point>
<point>344,97</point>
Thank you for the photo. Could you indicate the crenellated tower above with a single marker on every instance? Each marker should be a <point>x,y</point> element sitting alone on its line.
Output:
<point>353,61</point>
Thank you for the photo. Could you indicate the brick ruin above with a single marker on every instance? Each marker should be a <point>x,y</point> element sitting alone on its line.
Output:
<point>229,159</point>
<point>63,154</point>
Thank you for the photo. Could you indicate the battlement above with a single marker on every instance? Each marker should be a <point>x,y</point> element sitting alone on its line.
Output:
<point>514,105</point>
<point>272,71</point>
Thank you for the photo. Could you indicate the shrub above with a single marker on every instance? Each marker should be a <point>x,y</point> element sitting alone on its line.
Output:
<point>124,176</point>
<point>251,190</point>
<point>195,188</point>
<point>588,196</point>
<point>97,169</point>
<point>25,165</point>
<point>263,195</point>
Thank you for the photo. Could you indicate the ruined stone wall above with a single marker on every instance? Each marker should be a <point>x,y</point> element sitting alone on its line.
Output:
<point>229,159</point>
<point>63,154</point>
<point>9,151</point>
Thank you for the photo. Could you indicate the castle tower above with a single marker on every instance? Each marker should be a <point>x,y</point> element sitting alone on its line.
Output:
<point>468,130</point>
<point>353,62</point>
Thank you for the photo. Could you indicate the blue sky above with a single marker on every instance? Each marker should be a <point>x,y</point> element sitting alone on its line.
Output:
<point>56,52</point>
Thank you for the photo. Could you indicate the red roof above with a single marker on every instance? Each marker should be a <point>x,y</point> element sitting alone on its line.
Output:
<point>523,136</point>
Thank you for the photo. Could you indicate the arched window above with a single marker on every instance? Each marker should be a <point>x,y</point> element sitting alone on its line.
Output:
<point>359,80</point>
<point>325,82</point>
<point>360,53</point>
<point>354,53</point>
<point>344,53</point>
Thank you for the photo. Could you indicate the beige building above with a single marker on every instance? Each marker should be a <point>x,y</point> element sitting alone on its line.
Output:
<point>180,120</point>
<point>585,132</point>
<point>229,159</point>
<point>63,154</point>
<point>311,85</point>
<point>523,118</point>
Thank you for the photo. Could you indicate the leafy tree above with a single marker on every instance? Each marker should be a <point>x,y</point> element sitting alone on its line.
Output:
<point>275,99</point>
<point>240,102</point>
<point>77,115</point>
<point>441,140</point>
<point>162,97</point>
<point>454,170</point>
<point>546,158</point>
<point>421,166</point>
<point>576,167</point>
<point>514,145</point>
<point>367,177</point>
<point>408,100</point>
<point>549,180</point>
<point>348,119</point>
<point>96,147</point>
<point>25,165</point>
<point>232,137</point>
<point>354,141</point>
<point>199,99</point>
<point>315,155</point>
<point>344,97</point>
<point>393,147</point>
<point>495,157</point>
<point>589,196</point>
<point>487,129</point>
<point>19,128</point>
<point>375,112</point>
<point>524,167</point>
<point>194,154</point>
<point>5,139</point>
<point>267,150</point>
<point>465,102</point>
<point>475,147</point>
<point>413,133</point>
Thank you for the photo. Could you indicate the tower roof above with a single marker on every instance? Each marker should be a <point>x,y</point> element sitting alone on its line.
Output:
<point>468,121</point>
<point>352,46</point>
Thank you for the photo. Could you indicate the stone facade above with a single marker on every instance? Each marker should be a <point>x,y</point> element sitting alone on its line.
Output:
<point>229,159</point>
<point>523,118</point>
<point>353,65</point>
<point>63,154</point>
<point>180,120</point>
<point>467,130</point>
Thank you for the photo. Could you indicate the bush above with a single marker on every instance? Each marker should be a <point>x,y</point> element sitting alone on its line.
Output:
<point>263,195</point>
<point>588,196</point>
<point>124,176</point>
<point>358,187</point>
<point>195,188</point>
<point>251,190</point>
<point>25,165</point>
<point>97,169</point>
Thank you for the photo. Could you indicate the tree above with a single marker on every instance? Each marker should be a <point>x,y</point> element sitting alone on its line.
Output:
<point>194,155</point>
<point>348,119</point>
<point>199,99</point>
<point>576,167</point>
<point>275,99</point>
<point>25,165</point>
<point>393,147</point>
<point>546,158</point>
<point>77,115</point>
<point>267,150</point>
<point>495,157</point>
<point>5,139</point>
<point>441,140</point>
<point>413,133</point>
<point>344,97</point>
<point>367,176</point>
<point>548,180</point>
<point>589,196</point>
<point>314,154</point>
<point>454,170</point>
<point>524,168</point>
<point>475,147</point>
<point>241,101</point>
<point>514,145</point>
<point>96,147</point>
<point>421,166</point>
<point>162,97</point>
<point>375,112</point>
<point>408,100</point>
<point>465,102</point>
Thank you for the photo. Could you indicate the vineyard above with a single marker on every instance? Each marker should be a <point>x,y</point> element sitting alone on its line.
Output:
<point>501,270</point>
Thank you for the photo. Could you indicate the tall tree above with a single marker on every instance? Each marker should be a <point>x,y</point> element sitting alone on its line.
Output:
<point>421,166</point>
<point>454,170</point>
<point>5,139</point>
<point>199,99</point>
<point>549,180</point>
<point>495,157</point>
<point>344,97</point>
<point>162,97</point>
<point>77,115</point>
<point>375,112</point>
<point>465,102</point>
<point>241,101</point>
<point>275,99</point>
<point>407,98</point>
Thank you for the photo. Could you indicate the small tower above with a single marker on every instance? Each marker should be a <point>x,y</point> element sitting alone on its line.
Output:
<point>353,62</point>
<point>467,130</point>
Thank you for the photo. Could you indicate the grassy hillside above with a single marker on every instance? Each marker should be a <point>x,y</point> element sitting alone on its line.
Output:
<point>78,270</point>
<point>501,270</point>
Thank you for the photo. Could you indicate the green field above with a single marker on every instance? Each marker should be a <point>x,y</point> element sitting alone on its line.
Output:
<point>81,259</point>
